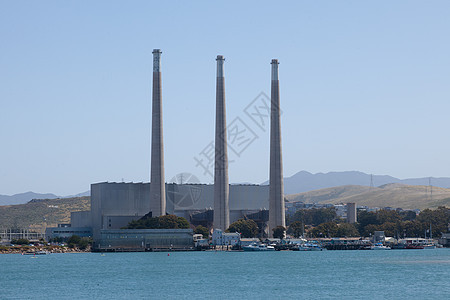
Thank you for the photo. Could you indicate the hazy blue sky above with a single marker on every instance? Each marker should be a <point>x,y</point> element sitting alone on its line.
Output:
<point>364,86</point>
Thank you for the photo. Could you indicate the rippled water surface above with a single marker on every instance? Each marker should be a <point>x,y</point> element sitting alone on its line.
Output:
<point>396,274</point>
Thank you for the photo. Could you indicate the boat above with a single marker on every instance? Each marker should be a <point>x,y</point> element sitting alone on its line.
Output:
<point>34,253</point>
<point>429,246</point>
<point>309,247</point>
<point>258,247</point>
<point>380,246</point>
<point>414,246</point>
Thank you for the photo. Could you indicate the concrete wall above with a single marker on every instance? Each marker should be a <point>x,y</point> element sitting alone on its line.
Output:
<point>117,199</point>
<point>201,196</point>
<point>81,219</point>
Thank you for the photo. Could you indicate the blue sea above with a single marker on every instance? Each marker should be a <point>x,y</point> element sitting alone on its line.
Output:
<point>391,274</point>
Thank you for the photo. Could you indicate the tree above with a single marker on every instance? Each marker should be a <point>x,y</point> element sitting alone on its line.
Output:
<point>328,229</point>
<point>73,241</point>
<point>438,219</point>
<point>84,243</point>
<point>20,242</point>
<point>296,229</point>
<point>314,216</point>
<point>408,215</point>
<point>347,230</point>
<point>391,216</point>
<point>161,222</point>
<point>247,228</point>
<point>278,232</point>
<point>202,230</point>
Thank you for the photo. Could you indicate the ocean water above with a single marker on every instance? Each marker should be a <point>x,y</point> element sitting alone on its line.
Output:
<point>391,274</point>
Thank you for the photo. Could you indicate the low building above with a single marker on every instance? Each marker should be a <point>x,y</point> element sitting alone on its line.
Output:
<point>145,240</point>
<point>220,238</point>
<point>445,240</point>
<point>65,231</point>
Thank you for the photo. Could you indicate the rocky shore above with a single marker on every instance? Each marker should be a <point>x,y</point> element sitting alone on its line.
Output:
<point>50,249</point>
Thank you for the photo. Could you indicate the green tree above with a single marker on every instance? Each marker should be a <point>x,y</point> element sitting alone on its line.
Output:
<point>347,230</point>
<point>369,230</point>
<point>328,229</point>
<point>438,219</point>
<point>278,232</point>
<point>390,228</point>
<point>20,242</point>
<point>161,222</point>
<point>314,216</point>
<point>73,241</point>
<point>84,243</point>
<point>247,228</point>
<point>408,215</point>
<point>391,216</point>
<point>296,229</point>
<point>202,230</point>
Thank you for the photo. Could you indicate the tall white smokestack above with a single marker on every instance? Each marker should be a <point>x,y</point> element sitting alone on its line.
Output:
<point>221,188</point>
<point>157,184</point>
<point>276,194</point>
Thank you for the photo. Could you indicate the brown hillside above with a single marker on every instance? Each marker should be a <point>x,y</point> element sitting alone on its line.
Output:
<point>41,213</point>
<point>393,195</point>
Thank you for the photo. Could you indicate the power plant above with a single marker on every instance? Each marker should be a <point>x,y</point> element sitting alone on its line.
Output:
<point>114,205</point>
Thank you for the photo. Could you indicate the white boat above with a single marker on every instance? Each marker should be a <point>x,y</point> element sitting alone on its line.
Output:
<point>258,247</point>
<point>380,246</point>
<point>429,246</point>
<point>309,247</point>
<point>34,253</point>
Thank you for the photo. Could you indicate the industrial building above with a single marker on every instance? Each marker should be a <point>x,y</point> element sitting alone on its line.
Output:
<point>114,205</point>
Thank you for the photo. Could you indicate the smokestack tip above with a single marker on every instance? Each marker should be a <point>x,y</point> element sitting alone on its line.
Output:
<point>156,51</point>
<point>274,61</point>
<point>220,57</point>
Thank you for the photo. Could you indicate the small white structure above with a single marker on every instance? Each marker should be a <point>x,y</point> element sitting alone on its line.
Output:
<point>220,238</point>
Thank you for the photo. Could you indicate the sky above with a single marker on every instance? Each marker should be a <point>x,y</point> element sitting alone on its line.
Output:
<point>364,85</point>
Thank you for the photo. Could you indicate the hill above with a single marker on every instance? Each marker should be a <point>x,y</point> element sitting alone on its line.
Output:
<point>389,195</point>
<point>42,212</point>
<point>23,198</point>
<point>304,181</point>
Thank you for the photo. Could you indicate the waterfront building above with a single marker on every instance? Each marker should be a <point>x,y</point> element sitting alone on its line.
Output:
<point>221,238</point>
<point>145,240</point>
<point>65,231</point>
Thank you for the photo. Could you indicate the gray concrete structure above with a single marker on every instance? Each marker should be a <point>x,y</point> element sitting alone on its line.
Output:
<point>65,233</point>
<point>80,219</point>
<point>351,213</point>
<point>158,194</point>
<point>276,196</point>
<point>114,205</point>
<point>221,188</point>
<point>145,240</point>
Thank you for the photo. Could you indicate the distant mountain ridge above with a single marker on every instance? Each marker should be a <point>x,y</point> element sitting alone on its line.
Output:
<point>304,181</point>
<point>25,197</point>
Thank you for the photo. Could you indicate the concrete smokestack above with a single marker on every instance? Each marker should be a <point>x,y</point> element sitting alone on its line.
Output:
<point>221,188</point>
<point>276,194</point>
<point>157,184</point>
